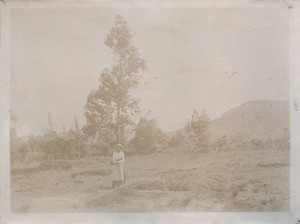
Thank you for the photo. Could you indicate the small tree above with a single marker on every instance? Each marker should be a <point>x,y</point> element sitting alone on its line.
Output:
<point>51,144</point>
<point>148,136</point>
<point>222,144</point>
<point>198,130</point>
<point>79,139</point>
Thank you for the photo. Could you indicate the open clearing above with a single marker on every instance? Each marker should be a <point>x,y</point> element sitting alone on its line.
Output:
<point>256,180</point>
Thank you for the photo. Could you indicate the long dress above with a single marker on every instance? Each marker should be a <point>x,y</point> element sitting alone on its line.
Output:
<point>118,172</point>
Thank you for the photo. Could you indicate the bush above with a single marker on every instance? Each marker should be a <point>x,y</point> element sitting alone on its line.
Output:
<point>102,147</point>
<point>148,137</point>
<point>223,144</point>
<point>177,140</point>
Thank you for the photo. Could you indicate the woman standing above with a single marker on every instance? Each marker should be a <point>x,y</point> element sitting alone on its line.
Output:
<point>118,171</point>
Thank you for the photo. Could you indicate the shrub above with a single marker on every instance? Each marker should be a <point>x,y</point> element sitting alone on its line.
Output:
<point>222,144</point>
<point>177,139</point>
<point>148,137</point>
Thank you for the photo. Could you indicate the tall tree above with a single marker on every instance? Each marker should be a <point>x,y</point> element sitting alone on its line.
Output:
<point>109,110</point>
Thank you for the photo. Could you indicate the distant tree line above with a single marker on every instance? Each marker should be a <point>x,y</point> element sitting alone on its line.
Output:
<point>65,145</point>
<point>196,137</point>
<point>147,138</point>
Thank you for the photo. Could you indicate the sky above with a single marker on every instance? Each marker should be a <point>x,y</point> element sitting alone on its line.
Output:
<point>212,58</point>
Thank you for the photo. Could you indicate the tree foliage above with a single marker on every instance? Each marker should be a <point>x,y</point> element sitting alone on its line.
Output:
<point>222,144</point>
<point>198,130</point>
<point>109,110</point>
<point>148,136</point>
<point>177,139</point>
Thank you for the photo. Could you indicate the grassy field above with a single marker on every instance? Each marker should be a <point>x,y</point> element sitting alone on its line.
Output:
<point>166,182</point>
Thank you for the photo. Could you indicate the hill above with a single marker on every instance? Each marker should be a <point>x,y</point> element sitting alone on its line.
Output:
<point>255,119</point>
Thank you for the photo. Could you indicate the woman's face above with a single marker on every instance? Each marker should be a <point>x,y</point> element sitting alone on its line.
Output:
<point>118,149</point>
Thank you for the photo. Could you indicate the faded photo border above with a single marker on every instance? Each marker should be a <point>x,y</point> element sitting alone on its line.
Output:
<point>210,217</point>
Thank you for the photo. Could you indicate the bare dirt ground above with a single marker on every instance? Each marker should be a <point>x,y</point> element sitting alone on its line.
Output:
<point>179,182</point>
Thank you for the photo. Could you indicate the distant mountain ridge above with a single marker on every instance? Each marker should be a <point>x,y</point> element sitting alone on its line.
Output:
<point>255,119</point>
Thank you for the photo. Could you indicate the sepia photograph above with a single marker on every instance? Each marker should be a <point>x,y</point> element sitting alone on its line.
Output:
<point>149,109</point>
